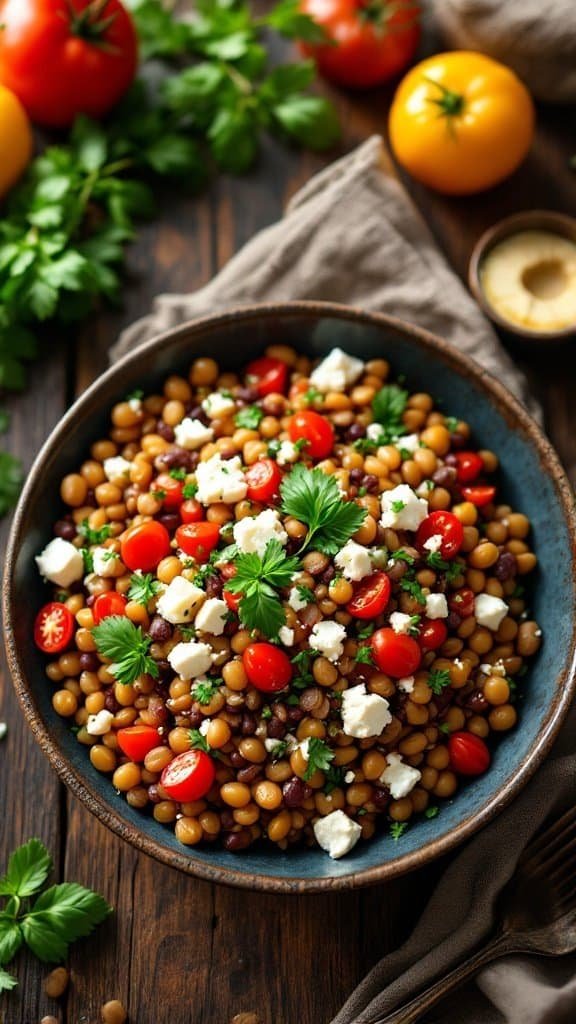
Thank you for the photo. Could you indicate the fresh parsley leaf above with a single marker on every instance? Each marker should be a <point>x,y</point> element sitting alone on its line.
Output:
<point>135,396</point>
<point>278,751</point>
<point>444,728</point>
<point>453,569</point>
<point>310,120</point>
<point>203,692</point>
<point>311,396</point>
<point>143,587</point>
<point>388,406</point>
<point>266,712</point>
<point>432,812</point>
<point>7,981</point>
<point>10,937</point>
<point>178,473</point>
<point>189,491</point>
<point>28,868</point>
<point>402,556</point>
<point>88,559</point>
<point>438,680</point>
<point>257,579</point>
<point>198,741</point>
<point>288,19</point>
<point>127,647</point>
<point>249,418</point>
<point>365,632</point>
<point>397,506</point>
<point>397,829</point>
<point>412,587</point>
<point>158,494</point>
<point>60,915</point>
<point>305,594</point>
<point>94,536</point>
<point>314,498</point>
<point>319,757</point>
<point>414,625</point>
<point>364,655</point>
<point>334,777</point>
<point>451,423</point>
<point>303,676</point>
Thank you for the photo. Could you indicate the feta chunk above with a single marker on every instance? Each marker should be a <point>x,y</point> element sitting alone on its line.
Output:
<point>295,601</point>
<point>204,726</point>
<point>191,659</point>
<point>400,622</point>
<point>305,748</point>
<point>220,480</point>
<point>406,684</point>
<point>217,405</point>
<point>349,777</point>
<point>374,431</point>
<point>399,777</point>
<point>191,434</point>
<point>99,724</point>
<point>104,561</point>
<point>434,543</point>
<point>364,714</point>
<point>497,669</point>
<point>60,562</point>
<point>328,637</point>
<point>117,468</point>
<point>410,442</point>
<point>286,453</point>
<point>253,533</point>
<point>271,744</point>
<point>354,561</point>
<point>336,371</point>
<point>286,636</point>
<point>402,509</point>
<point>135,404</point>
<point>179,600</point>
<point>337,834</point>
<point>212,616</point>
<point>489,611</point>
<point>436,606</point>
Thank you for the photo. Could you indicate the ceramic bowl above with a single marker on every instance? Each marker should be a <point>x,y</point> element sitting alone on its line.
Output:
<point>531,479</point>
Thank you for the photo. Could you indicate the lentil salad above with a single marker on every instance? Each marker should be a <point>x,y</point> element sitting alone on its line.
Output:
<point>288,603</point>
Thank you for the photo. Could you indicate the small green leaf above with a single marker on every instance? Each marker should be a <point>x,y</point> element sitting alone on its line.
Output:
<point>7,981</point>
<point>28,868</point>
<point>10,938</point>
<point>233,138</point>
<point>60,915</point>
<point>311,120</point>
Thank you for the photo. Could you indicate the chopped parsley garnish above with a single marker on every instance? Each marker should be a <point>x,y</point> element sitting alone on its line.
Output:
<point>319,757</point>
<point>444,728</point>
<point>412,587</point>
<point>94,536</point>
<point>186,632</point>
<point>518,591</point>
<point>300,444</point>
<point>189,491</point>
<point>198,741</point>
<point>143,588</point>
<point>203,692</point>
<point>334,778</point>
<point>266,712</point>
<point>127,647</point>
<point>178,473</point>
<point>249,418</point>
<point>362,491</point>
<point>257,579</point>
<point>388,406</point>
<point>159,494</point>
<point>314,498</point>
<point>304,676</point>
<point>402,556</point>
<point>305,594</point>
<point>452,569</point>
<point>432,812</point>
<point>312,395</point>
<point>110,556</point>
<point>88,559</point>
<point>397,829</point>
<point>365,632</point>
<point>397,506</point>
<point>137,395</point>
<point>364,655</point>
<point>438,680</point>
<point>278,751</point>
<point>366,445</point>
<point>451,424</point>
<point>414,625</point>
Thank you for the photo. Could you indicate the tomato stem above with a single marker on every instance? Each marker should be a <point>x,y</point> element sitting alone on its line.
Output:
<point>451,103</point>
<point>90,24</point>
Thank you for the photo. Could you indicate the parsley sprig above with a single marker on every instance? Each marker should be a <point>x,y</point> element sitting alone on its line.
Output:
<point>438,680</point>
<point>319,757</point>
<point>143,587</point>
<point>94,536</point>
<point>313,498</point>
<point>249,418</point>
<point>258,579</point>
<point>127,647</point>
<point>452,569</point>
<point>388,406</point>
<point>203,691</point>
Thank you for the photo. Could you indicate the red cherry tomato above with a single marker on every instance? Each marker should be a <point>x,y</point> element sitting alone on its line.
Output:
<point>469,465</point>
<point>267,667</point>
<point>370,597</point>
<point>263,478</point>
<point>191,511</point>
<point>232,600</point>
<point>447,526</point>
<point>461,602</point>
<point>396,654</point>
<point>172,490</point>
<point>315,429</point>
<point>145,545</point>
<point>198,539</point>
<point>432,634</point>
<point>480,494</point>
<point>53,628</point>
<point>374,41</point>
<point>138,740</point>
<point>189,776</point>
<point>109,603</point>
<point>267,375</point>
<point>469,755</point>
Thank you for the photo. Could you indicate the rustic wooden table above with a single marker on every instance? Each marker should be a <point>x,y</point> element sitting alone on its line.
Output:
<point>178,951</point>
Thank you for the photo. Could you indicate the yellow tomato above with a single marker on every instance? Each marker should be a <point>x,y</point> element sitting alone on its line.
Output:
<point>460,122</point>
<point>15,139</point>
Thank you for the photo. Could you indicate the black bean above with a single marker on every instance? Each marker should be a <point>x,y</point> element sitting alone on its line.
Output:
<point>458,441</point>
<point>235,841</point>
<point>160,630</point>
<point>328,575</point>
<point>170,520</point>
<point>276,729</point>
<point>445,476</point>
<point>249,774</point>
<point>453,620</point>
<point>477,702</point>
<point>295,714</point>
<point>380,798</point>
<point>176,458</point>
<point>194,716</point>
<point>90,600</point>
<point>248,395</point>
<point>214,586</point>
<point>356,475</point>
<point>153,794</point>
<point>165,430</point>
<point>89,662</point>
<point>227,818</point>
<point>370,482</point>
<point>90,498</point>
<point>64,529</point>
<point>233,717</point>
<point>505,567</point>
<point>249,724</point>
<point>355,432</point>
<point>237,761</point>
<point>196,412</point>
<point>110,702</point>
<point>450,460</point>
<point>295,791</point>
<point>165,669</point>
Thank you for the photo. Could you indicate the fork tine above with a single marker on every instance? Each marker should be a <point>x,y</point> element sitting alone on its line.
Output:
<point>563,866</point>
<point>558,858</point>
<point>539,852</point>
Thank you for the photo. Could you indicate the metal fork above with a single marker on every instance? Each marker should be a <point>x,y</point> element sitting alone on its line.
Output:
<point>537,915</point>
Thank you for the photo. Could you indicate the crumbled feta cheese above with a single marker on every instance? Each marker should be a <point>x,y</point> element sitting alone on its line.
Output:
<point>337,833</point>
<point>399,777</point>
<point>217,405</point>
<point>204,726</point>
<point>135,404</point>
<point>291,743</point>
<point>434,543</point>
<point>286,453</point>
<point>60,562</point>
<point>104,561</point>
<point>99,724</point>
<point>458,663</point>
<point>286,636</point>
<point>191,434</point>
<point>497,669</point>
<point>179,600</point>
<point>374,431</point>
<point>489,611</point>
<point>364,714</point>
<point>191,659</point>
<point>380,559</point>
<point>327,637</point>
<point>423,489</point>
<point>117,468</point>
<point>336,371</point>
<point>305,748</point>
<point>400,622</point>
<point>410,442</point>
<point>406,684</point>
<point>270,743</point>
<point>402,509</point>
<point>349,777</point>
<point>3,730</point>
<point>212,616</point>
<point>436,606</point>
<point>253,533</point>
<point>295,601</point>
<point>220,480</point>
<point>354,561</point>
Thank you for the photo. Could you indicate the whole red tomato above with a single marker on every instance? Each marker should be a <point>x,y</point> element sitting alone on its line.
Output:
<point>370,41</point>
<point>66,57</point>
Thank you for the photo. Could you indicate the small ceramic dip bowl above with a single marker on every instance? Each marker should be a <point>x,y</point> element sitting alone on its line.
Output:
<point>522,272</point>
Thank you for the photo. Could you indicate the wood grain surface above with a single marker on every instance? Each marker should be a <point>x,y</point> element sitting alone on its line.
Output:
<point>179,951</point>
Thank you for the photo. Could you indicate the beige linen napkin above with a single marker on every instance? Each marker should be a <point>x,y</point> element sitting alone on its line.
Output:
<point>352,235</point>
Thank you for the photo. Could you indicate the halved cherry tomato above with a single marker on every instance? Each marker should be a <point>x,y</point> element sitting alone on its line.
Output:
<point>189,776</point>
<point>461,602</point>
<point>263,478</point>
<point>232,600</point>
<point>469,755</point>
<point>371,597</point>
<point>144,545</point>
<point>315,429</point>
<point>469,465</point>
<point>138,740</point>
<point>447,526</point>
<point>267,667</point>
<point>480,494</point>
<point>109,603</point>
<point>172,490</point>
<point>432,634</point>
<point>54,627</point>
<point>191,511</point>
<point>396,654</point>
<point>198,539</point>
<point>267,375</point>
